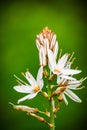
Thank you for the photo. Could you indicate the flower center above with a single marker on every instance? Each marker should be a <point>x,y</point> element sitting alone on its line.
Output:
<point>36,89</point>
<point>56,70</point>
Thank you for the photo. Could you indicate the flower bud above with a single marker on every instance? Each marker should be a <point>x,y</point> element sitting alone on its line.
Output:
<point>25,108</point>
<point>46,40</point>
<point>45,94</point>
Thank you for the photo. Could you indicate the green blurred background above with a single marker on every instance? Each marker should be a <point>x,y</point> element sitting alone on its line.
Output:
<point>20,22</point>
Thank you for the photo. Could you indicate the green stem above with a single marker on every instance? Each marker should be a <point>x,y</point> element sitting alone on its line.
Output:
<point>52,118</point>
<point>51,107</point>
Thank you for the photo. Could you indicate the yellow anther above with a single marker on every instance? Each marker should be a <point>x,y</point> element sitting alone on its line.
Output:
<point>68,54</point>
<point>56,70</point>
<point>46,30</point>
<point>36,89</point>
<point>22,73</point>
<point>76,68</point>
<point>27,70</point>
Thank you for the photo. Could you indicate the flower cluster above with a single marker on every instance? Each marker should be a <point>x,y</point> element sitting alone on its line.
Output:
<point>52,66</point>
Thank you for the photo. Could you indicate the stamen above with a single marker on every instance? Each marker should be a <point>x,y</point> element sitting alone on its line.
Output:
<point>78,88</point>
<point>22,74</point>
<point>71,57</point>
<point>56,70</point>
<point>82,79</point>
<point>36,89</point>
<point>76,68</point>
<point>19,80</point>
<point>27,70</point>
<point>68,54</point>
<point>73,60</point>
<point>60,53</point>
<point>11,103</point>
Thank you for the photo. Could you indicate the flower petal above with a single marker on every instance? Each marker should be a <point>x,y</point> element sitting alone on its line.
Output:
<point>70,71</point>
<point>30,78</point>
<point>53,41</point>
<point>41,84</point>
<point>46,45</point>
<point>73,96</point>
<point>32,95</point>
<point>56,50</point>
<point>51,59</point>
<point>40,37</point>
<point>23,89</point>
<point>23,99</point>
<point>68,65</point>
<point>62,61</point>
<point>74,84</point>
<point>65,100</point>
<point>40,73</point>
<point>39,78</point>
<point>38,44</point>
<point>71,82</point>
<point>42,56</point>
<point>60,79</point>
<point>67,77</point>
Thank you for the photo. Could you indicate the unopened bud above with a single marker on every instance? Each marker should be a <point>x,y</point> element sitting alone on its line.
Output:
<point>60,98</point>
<point>51,77</point>
<point>54,93</point>
<point>46,73</point>
<point>25,108</point>
<point>45,94</point>
<point>50,125</point>
<point>41,119</point>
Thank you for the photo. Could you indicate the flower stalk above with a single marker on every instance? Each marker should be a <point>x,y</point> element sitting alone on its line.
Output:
<point>55,78</point>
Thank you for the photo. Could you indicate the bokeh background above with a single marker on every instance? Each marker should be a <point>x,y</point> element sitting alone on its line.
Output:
<point>20,22</point>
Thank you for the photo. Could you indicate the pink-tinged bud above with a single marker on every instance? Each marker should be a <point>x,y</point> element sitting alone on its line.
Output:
<point>46,40</point>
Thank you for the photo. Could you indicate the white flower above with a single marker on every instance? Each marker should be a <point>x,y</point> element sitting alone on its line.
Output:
<point>46,40</point>
<point>65,87</point>
<point>63,67</point>
<point>34,87</point>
